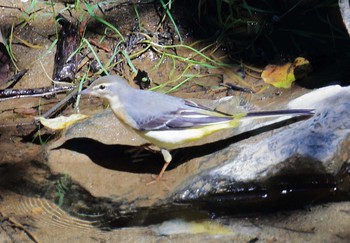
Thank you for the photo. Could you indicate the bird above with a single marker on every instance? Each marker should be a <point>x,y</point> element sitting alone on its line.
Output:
<point>167,121</point>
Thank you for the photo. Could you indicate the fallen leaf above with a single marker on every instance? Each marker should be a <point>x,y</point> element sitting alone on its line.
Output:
<point>302,67</point>
<point>179,226</point>
<point>61,122</point>
<point>282,76</point>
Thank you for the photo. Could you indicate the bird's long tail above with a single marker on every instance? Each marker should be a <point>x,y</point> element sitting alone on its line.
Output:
<point>292,113</point>
<point>284,114</point>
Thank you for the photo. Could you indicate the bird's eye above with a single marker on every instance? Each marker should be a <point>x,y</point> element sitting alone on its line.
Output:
<point>102,87</point>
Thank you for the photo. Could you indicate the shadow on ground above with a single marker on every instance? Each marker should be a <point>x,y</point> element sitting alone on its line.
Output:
<point>136,159</point>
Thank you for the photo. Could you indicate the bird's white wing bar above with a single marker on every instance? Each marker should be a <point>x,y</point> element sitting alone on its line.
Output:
<point>182,119</point>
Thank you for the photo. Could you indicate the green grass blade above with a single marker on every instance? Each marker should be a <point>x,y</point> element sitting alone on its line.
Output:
<point>171,18</point>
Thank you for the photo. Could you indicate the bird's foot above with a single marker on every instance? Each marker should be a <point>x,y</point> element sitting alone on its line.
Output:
<point>159,177</point>
<point>154,179</point>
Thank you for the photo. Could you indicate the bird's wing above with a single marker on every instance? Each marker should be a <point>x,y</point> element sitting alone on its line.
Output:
<point>189,115</point>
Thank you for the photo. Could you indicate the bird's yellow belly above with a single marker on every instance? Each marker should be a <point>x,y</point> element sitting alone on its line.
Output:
<point>170,139</point>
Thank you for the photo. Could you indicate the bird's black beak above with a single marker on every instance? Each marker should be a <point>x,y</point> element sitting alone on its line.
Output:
<point>84,92</point>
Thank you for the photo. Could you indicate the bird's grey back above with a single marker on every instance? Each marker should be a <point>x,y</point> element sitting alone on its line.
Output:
<point>144,106</point>
<point>150,110</point>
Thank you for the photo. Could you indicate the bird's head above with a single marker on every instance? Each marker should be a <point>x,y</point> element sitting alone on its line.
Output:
<point>107,87</point>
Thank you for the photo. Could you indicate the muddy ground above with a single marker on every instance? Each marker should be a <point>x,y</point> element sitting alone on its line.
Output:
<point>30,194</point>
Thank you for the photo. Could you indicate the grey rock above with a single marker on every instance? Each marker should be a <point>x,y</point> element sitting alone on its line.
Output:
<point>318,145</point>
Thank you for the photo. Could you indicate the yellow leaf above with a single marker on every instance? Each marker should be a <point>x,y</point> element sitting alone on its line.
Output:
<point>282,76</point>
<point>302,67</point>
<point>61,122</point>
<point>179,226</point>
<point>279,76</point>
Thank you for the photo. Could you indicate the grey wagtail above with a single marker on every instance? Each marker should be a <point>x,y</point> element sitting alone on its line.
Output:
<point>168,121</point>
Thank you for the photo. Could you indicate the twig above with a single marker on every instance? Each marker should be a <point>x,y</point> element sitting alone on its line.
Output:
<point>66,58</point>
<point>15,78</point>
<point>10,7</point>
<point>95,43</point>
<point>236,88</point>
<point>6,94</point>
<point>18,225</point>
<point>63,103</point>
